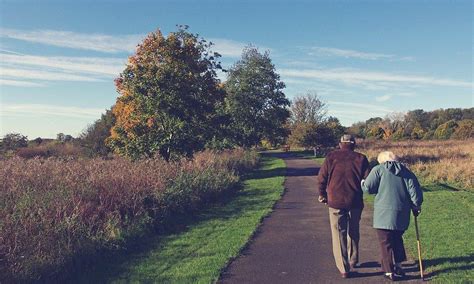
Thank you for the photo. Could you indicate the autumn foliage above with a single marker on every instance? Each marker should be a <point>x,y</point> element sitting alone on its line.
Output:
<point>168,95</point>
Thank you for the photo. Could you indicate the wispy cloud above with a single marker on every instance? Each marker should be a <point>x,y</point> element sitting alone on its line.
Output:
<point>227,47</point>
<point>17,83</point>
<point>389,96</point>
<point>232,48</point>
<point>383,98</point>
<point>105,42</point>
<point>10,51</point>
<point>19,69</point>
<point>49,110</point>
<point>349,112</point>
<point>370,78</point>
<point>96,42</point>
<point>348,53</point>
<point>94,65</point>
<point>350,107</point>
<point>27,74</point>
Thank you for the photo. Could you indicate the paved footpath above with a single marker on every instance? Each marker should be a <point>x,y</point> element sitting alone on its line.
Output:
<point>293,245</point>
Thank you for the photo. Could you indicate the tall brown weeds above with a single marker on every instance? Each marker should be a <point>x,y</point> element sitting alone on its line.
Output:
<point>447,162</point>
<point>54,212</point>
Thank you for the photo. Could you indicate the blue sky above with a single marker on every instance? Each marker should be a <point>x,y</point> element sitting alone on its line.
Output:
<point>58,59</point>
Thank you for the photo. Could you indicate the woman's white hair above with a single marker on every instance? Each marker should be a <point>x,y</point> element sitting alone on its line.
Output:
<point>386,156</point>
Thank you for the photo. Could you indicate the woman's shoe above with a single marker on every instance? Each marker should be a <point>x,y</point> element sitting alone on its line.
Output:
<point>392,276</point>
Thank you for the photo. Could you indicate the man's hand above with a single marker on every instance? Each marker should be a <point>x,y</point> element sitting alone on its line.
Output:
<point>416,211</point>
<point>322,199</point>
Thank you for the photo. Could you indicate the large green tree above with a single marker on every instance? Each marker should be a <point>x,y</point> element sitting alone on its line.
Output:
<point>168,95</point>
<point>255,103</point>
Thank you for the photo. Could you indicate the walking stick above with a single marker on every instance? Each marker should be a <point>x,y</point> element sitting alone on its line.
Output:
<point>418,243</point>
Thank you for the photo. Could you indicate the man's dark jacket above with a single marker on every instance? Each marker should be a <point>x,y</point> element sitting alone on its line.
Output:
<point>340,176</point>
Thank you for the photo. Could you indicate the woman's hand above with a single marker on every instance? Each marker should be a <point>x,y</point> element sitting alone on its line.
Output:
<point>416,210</point>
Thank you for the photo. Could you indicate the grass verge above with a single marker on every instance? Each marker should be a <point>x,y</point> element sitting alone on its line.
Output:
<point>206,242</point>
<point>446,232</point>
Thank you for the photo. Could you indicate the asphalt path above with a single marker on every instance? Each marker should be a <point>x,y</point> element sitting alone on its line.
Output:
<point>293,244</point>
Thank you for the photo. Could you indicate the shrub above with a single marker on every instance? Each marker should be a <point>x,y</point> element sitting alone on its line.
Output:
<point>445,130</point>
<point>58,212</point>
<point>464,129</point>
<point>12,141</point>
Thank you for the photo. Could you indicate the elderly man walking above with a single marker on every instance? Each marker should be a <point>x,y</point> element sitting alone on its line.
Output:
<point>340,187</point>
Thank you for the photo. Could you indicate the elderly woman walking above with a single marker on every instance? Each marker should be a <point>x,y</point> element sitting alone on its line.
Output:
<point>397,192</point>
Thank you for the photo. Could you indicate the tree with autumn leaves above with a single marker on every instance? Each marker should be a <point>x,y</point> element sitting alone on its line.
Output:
<point>169,92</point>
<point>171,102</point>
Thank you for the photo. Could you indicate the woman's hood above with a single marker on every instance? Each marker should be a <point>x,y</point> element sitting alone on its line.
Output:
<point>394,167</point>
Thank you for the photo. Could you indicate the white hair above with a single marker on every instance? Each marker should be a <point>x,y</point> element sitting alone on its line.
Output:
<point>386,156</point>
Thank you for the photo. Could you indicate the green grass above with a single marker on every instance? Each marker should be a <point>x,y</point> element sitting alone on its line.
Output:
<point>446,228</point>
<point>207,242</point>
<point>446,232</point>
<point>306,154</point>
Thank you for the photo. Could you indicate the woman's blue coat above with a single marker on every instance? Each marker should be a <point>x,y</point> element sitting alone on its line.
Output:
<point>396,191</point>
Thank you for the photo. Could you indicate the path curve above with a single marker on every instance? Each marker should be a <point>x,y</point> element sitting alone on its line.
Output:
<point>293,245</point>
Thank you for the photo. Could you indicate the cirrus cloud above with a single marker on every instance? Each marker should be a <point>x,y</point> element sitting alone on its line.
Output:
<point>370,78</point>
<point>94,41</point>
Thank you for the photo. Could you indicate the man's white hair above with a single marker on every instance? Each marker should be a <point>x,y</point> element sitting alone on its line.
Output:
<point>386,156</point>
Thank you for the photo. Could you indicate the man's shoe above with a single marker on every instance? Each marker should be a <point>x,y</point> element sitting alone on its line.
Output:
<point>345,275</point>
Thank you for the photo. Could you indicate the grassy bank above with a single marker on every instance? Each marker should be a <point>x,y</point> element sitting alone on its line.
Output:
<point>206,242</point>
<point>446,227</point>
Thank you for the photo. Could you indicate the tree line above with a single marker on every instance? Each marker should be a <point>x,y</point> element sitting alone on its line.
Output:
<point>171,103</point>
<point>451,123</point>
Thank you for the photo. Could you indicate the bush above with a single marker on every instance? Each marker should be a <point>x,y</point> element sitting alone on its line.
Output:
<point>445,130</point>
<point>464,129</point>
<point>56,213</point>
<point>12,141</point>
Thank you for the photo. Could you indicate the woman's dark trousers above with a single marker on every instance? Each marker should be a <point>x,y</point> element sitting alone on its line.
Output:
<point>391,248</point>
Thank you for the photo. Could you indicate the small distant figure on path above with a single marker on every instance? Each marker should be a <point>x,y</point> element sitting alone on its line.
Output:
<point>397,193</point>
<point>340,179</point>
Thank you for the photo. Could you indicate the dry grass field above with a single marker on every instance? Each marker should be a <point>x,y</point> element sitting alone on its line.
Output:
<point>434,162</point>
